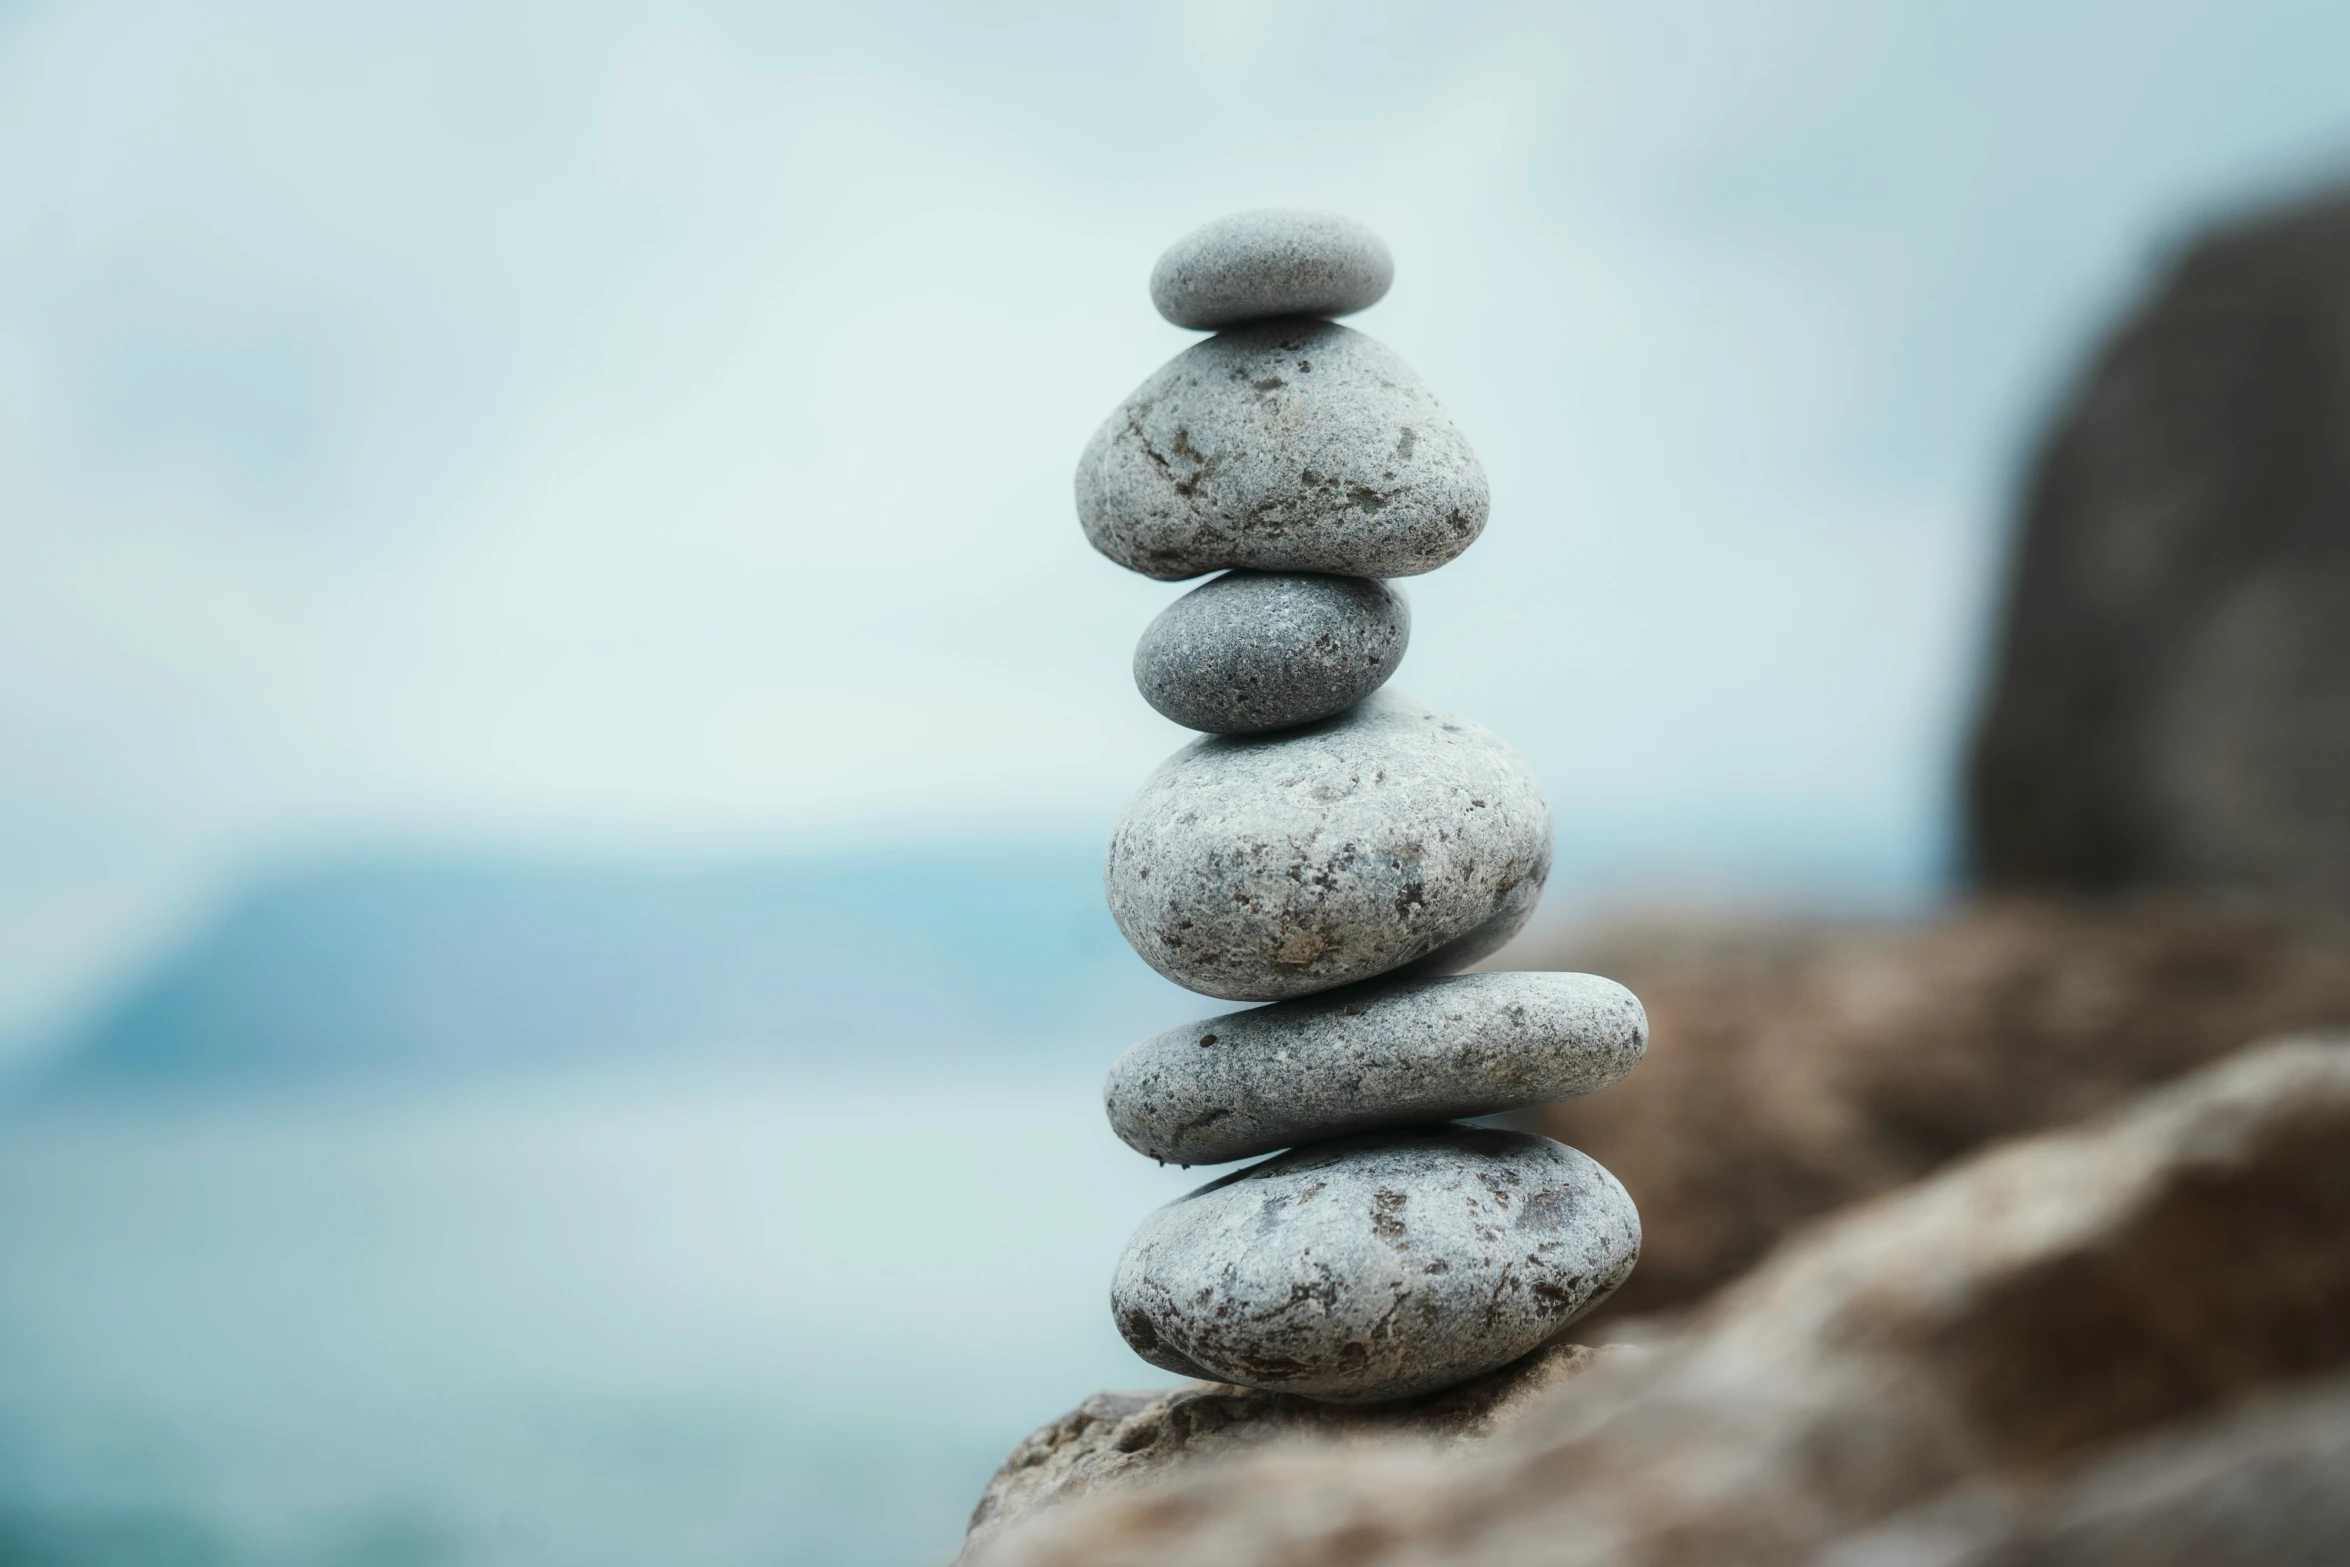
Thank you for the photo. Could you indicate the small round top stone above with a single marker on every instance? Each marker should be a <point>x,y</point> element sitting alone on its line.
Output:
<point>1256,266</point>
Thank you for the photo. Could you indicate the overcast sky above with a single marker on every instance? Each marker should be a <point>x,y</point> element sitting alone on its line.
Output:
<point>650,427</point>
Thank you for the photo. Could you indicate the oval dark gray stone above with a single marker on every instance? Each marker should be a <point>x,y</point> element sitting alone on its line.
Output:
<point>1253,651</point>
<point>1288,446</point>
<point>1376,1267</point>
<point>1386,1053</point>
<point>1260,868</point>
<point>1254,266</point>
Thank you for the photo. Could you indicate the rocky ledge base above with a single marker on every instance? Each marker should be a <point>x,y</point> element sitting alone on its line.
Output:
<point>1124,1441</point>
<point>2119,1343</point>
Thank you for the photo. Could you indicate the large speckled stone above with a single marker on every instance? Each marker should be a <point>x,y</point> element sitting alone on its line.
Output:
<point>1260,868</point>
<point>1289,446</point>
<point>1386,1053</point>
<point>1253,651</point>
<point>1254,266</point>
<point>1376,1267</point>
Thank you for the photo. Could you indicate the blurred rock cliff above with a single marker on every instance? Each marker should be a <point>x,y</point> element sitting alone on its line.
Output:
<point>2170,706</point>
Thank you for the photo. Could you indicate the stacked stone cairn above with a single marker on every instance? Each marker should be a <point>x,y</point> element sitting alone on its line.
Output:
<point>1340,851</point>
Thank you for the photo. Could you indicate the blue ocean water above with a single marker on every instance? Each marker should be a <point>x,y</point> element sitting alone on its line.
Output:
<point>632,1318</point>
<point>465,1214</point>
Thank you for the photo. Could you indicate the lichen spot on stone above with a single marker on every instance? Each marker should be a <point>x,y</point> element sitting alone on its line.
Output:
<point>1300,948</point>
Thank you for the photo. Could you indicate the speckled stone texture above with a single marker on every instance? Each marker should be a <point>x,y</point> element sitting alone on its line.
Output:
<point>1261,868</point>
<point>1254,266</point>
<point>1376,1267</point>
<point>1289,446</point>
<point>1387,1053</point>
<point>1253,651</point>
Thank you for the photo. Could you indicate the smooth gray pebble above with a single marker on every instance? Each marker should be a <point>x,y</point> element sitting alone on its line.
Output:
<point>1277,261</point>
<point>1252,651</point>
<point>1289,446</point>
<point>1265,867</point>
<point>1376,1267</point>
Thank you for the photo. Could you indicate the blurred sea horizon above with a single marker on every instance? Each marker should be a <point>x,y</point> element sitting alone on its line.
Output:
<point>471,957</point>
<point>460,1209</point>
<point>435,1208</point>
<point>448,963</point>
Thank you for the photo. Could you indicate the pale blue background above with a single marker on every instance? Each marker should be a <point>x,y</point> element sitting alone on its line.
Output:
<point>651,425</point>
<point>452,441</point>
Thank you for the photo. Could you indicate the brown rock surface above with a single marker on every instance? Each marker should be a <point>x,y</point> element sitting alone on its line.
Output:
<point>2034,1304</point>
<point>2167,707</point>
<point>1121,1440</point>
<point>2260,1486</point>
<point>1795,1068</point>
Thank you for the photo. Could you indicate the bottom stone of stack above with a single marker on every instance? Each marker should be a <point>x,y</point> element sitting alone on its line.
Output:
<point>1376,1267</point>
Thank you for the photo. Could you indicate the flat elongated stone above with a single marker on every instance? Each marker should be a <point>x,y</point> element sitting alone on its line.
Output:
<point>1388,1053</point>
<point>1260,868</point>
<point>1254,266</point>
<point>1376,1267</point>
<point>1253,651</point>
<point>1288,446</point>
